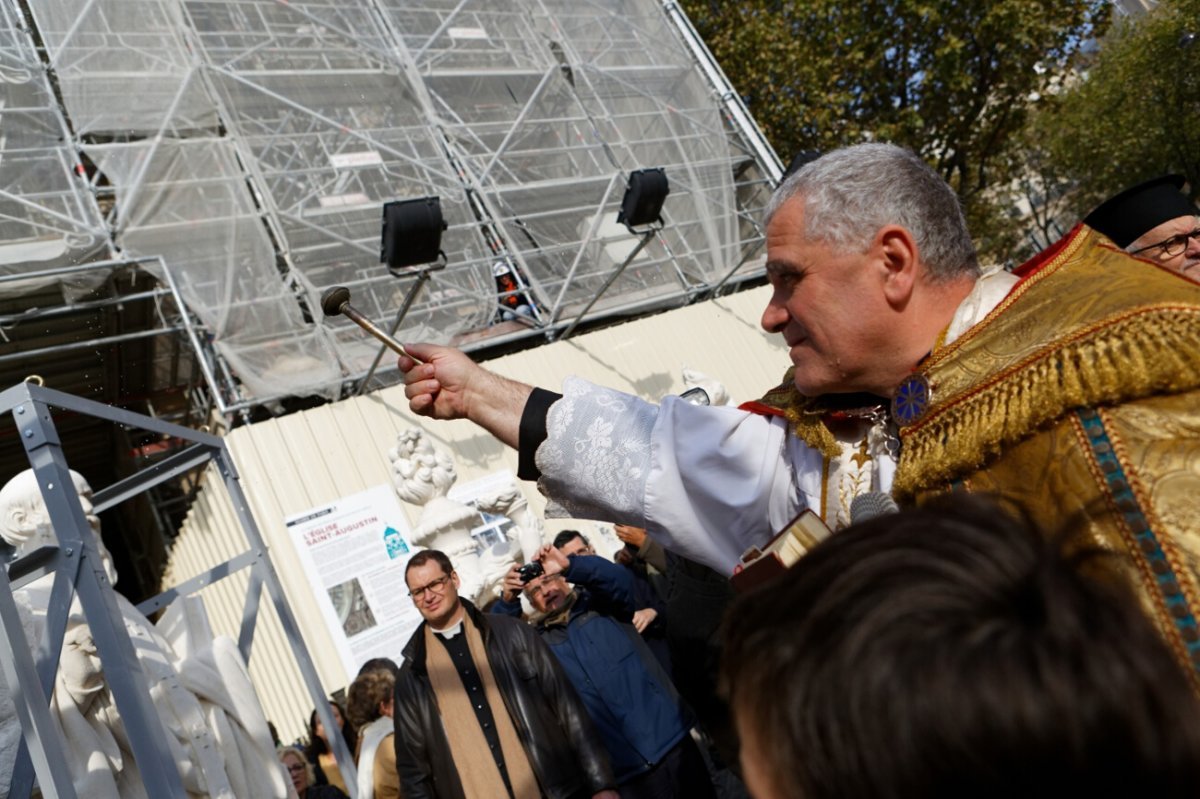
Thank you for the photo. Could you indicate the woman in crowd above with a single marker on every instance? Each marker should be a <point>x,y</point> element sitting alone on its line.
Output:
<point>301,773</point>
<point>369,703</point>
<point>320,753</point>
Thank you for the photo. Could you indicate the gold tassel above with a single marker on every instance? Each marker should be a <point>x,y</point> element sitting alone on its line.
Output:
<point>810,428</point>
<point>805,415</point>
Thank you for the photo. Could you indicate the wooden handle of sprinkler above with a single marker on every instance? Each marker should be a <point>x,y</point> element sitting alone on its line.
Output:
<point>337,301</point>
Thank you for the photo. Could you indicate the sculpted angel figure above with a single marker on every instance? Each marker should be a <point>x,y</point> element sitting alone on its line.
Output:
<point>423,475</point>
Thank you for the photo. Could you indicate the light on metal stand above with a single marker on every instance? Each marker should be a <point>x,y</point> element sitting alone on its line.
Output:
<point>641,207</point>
<point>410,244</point>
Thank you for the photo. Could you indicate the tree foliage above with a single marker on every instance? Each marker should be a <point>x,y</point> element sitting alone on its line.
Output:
<point>1134,113</point>
<point>951,79</point>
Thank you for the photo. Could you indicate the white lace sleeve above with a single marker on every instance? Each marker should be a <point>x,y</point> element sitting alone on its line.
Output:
<point>706,482</point>
<point>596,454</point>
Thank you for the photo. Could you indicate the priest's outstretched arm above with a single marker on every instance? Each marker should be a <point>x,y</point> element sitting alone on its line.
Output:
<point>706,482</point>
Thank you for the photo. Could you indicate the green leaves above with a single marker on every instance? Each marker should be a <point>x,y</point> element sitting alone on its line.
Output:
<point>1134,111</point>
<point>950,79</point>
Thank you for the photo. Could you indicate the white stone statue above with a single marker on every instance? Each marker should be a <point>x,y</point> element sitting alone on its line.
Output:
<point>524,538</point>
<point>216,730</point>
<point>423,475</point>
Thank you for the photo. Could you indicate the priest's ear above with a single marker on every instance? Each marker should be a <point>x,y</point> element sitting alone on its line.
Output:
<point>895,249</point>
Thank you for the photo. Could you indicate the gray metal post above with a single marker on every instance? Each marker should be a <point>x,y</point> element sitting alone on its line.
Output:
<point>264,570</point>
<point>78,571</point>
<point>41,741</point>
<point>422,278</point>
<point>649,234</point>
<point>122,672</point>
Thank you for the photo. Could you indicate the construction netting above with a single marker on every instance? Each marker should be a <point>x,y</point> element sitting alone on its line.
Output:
<point>251,144</point>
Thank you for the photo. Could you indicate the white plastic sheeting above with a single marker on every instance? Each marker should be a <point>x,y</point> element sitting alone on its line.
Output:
<point>186,201</point>
<point>47,218</point>
<point>252,144</point>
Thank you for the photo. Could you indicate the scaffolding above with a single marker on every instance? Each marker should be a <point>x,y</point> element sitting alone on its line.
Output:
<point>250,145</point>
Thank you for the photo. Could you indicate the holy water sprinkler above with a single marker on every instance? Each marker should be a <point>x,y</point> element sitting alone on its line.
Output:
<point>336,300</point>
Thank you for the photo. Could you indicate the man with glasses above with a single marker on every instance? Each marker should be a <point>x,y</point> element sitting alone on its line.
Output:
<point>482,708</point>
<point>1155,221</point>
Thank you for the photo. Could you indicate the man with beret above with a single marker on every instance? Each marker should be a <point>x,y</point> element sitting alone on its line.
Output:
<point>1155,221</point>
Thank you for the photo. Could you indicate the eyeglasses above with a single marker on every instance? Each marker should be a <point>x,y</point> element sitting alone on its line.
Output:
<point>295,768</point>
<point>436,586</point>
<point>1172,246</point>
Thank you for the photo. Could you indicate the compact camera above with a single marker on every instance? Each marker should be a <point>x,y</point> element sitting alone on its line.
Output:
<point>530,570</point>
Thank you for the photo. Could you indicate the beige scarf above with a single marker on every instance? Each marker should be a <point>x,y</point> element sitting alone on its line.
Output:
<point>476,768</point>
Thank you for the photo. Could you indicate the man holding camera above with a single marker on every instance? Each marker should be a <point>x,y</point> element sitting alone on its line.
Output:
<point>637,712</point>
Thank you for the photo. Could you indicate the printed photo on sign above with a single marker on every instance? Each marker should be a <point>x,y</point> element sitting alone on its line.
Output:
<point>352,608</point>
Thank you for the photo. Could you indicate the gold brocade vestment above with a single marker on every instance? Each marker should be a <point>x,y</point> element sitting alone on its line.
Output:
<point>1079,396</point>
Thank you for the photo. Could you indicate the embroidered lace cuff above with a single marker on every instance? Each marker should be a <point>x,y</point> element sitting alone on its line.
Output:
<point>596,456</point>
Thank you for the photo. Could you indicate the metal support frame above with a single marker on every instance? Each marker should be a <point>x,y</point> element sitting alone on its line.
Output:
<point>730,99</point>
<point>422,278</point>
<point>587,96</point>
<point>649,234</point>
<point>79,573</point>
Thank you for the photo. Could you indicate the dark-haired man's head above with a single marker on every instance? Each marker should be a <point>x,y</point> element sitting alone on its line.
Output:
<point>433,586</point>
<point>955,651</point>
<point>573,542</point>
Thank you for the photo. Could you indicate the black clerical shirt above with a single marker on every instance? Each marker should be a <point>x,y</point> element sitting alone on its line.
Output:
<point>456,644</point>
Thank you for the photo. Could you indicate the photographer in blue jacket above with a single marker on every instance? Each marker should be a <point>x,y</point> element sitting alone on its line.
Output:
<point>584,606</point>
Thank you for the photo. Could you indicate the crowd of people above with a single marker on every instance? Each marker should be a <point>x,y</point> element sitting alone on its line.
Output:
<point>1023,623</point>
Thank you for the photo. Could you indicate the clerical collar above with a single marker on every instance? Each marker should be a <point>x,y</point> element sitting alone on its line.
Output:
<point>451,631</point>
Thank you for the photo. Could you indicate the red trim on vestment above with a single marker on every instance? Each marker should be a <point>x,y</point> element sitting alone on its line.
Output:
<point>761,409</point>
<point>1033,264</point>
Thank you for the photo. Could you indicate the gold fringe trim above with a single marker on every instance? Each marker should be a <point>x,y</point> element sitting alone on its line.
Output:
<point>805,415</point>
<point>1151,352</point>
<point>807,423</point>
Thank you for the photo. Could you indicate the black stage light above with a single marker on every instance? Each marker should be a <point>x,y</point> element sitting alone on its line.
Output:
<point>412,232</point>
<point>643,200</point>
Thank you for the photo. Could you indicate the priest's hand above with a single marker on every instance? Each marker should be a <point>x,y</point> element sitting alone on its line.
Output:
<point>444,383</point>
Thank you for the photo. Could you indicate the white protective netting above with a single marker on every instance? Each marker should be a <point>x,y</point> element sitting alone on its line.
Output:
<point>252,144</point>
<point>47,218</point>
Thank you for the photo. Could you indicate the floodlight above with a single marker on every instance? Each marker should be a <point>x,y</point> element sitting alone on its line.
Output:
<point>643,200</point>
<point>412,232</point>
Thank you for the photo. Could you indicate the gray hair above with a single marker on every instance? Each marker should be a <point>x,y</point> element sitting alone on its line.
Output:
<point>1134,246</point>
<point>849,194</point>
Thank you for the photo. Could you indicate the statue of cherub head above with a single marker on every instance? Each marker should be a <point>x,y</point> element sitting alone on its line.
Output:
<point>25,522</point>
<point>420,472</point>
